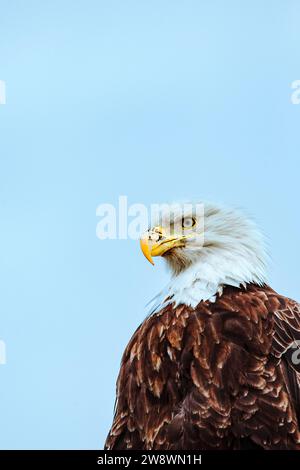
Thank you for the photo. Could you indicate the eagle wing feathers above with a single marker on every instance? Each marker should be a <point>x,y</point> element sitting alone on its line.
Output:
<point>217,376</point>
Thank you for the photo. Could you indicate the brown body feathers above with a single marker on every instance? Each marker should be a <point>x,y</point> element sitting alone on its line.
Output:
<point>220,376</point>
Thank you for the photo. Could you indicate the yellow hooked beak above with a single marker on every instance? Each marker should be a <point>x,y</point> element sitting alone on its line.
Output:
<point>155,243</point>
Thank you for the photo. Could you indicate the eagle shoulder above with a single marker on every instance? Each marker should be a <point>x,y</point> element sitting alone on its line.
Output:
<point>209,377</point>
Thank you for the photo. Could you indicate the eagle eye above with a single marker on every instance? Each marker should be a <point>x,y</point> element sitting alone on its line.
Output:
<point>188,222</point>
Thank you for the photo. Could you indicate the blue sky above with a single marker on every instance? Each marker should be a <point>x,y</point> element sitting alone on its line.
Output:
<point>159,101</point>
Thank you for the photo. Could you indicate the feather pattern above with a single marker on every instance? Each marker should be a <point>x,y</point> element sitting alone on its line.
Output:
<point>219,375</point>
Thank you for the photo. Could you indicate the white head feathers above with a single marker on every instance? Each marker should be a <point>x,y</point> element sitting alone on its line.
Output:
<point>225,248</point>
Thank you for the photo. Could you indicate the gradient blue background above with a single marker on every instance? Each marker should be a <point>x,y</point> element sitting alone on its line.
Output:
<point>159,101</point>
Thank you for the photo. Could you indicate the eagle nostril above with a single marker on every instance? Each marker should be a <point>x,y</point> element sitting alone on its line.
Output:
<point>155,235</point>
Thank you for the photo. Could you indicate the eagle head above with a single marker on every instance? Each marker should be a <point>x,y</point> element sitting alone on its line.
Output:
<point>206,246</point>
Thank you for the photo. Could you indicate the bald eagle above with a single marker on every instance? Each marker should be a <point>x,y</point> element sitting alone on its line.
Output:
<point>215,364</point>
